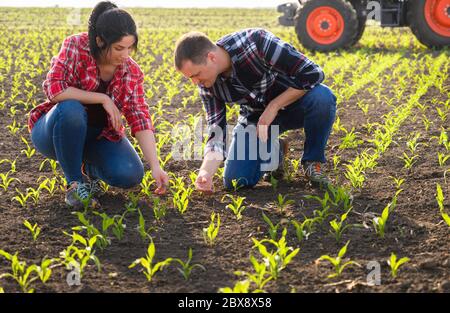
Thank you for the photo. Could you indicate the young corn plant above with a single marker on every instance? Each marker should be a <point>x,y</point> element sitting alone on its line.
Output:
<point>29,151</point>
<point>149,268</point>
<point>409,161</point>
<point>273,228</point>
<point>398,182</point>
<point>440,201</point>
<point>102,240</point>
<point>5,180</point>
<point>159,209</point>
<point>304,229</point>
<point>337,262</point>
<point>283,203</point>
<point>280,258</point>
<point>210,233</point>
<point>443,158</point>
<point>395,264</point>
<point>379,223</point>
<point>48,184</point>
<point>143,231</point>
<point>338,228</point>
<point>186,267</point>
<point>295,164</point>
<point>25,275</point>
<point>22,198</point>
<point>53,165</point>
<point>236,206</point>
<point>240,287</point>
<point>80,256</point>
<point>260,277</point>
<point>133,203</point>
<point>181,199</point>
<point>35,229</point>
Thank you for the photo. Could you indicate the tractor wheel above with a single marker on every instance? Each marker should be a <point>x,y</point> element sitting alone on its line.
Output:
<point>429,20</point>
<point>325,25</point>
<point>362,19</point>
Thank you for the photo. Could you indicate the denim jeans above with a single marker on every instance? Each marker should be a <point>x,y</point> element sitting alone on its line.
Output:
<point>248,158</point>
<point>63,134</point>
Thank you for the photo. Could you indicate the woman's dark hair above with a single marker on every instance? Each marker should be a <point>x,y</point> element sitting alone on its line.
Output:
<point>109,23</point>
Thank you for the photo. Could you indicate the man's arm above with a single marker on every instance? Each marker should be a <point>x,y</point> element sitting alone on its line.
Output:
<point>215,146</point>
<point>270,112</point>
<point>297,70</point>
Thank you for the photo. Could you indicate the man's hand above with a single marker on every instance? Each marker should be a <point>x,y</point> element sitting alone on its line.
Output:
<point>204,182</point>
<point>265,120</point>
<point>162,181</point>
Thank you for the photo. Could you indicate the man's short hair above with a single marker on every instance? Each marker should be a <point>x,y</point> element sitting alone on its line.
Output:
<point>193,46</point>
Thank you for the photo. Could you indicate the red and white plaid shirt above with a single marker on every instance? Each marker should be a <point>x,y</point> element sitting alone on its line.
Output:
<point>74,66</point>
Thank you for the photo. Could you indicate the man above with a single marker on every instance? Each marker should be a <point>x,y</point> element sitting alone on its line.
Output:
<point>275,85</point>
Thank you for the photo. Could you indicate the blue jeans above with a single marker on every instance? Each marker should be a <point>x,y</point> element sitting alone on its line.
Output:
<point>315,112</point>
<point>63,134</point>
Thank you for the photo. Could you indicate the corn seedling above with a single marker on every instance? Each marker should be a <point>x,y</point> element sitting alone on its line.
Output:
<point>6,181</point>
<point>236,206</point>
<point>79,257</point>
<point>240,287</point>
<point>35,229</point>
<point>304,229</point>
<point>143,231</point>
<point>21,198</point>
<point>395,265</point>
<point>150,269</point>
<point>29,151</point>
<point>279,259</point>
<point>379,223</point>
<point>337,262</point>
<point>210,233</point>
<point>25,275</point>
<point>102,240</point>
<point>283,203</point>
<point>273,228</point>
<point>159,209</point>
<point>187,267</point>
<point>443,158</point>
<point>260,277</point>
<point>181,199</point>
<point>397,181</point>
<point>48,184</point>
<point>440,201</point>
<point>338,228</point>
<point>53,165</point>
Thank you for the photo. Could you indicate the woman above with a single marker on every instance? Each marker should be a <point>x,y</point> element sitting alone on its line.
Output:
<point>91,83</point>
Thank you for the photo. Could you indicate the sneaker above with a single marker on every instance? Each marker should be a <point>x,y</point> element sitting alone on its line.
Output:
<point>79,192</point>
<point>94,183</point>
<point>279,172</point>
<point>313,171</point>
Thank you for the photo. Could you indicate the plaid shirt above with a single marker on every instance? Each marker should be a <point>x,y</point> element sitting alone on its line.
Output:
<point>75,67</point>
<point>263,66</point>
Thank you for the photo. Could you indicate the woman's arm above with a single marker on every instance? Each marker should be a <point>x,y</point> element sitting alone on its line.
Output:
<point>89,97</point>
<point>86,97</point>
<point>146,140</point>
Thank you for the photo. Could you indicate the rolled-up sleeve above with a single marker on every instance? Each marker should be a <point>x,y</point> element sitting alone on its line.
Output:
<point>61,74</point>
<point>216,120</point>
<point>136,110</point>
<point>300,72</point>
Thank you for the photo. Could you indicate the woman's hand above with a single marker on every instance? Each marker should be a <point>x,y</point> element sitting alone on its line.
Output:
<point>204,182</point>
<point>162,180</point>
<point>113,112</point>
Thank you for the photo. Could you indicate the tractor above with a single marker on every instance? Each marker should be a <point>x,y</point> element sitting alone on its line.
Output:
<point>326,25</point>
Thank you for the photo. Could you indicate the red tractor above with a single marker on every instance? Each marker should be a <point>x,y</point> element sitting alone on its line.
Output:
<point>325,25</point>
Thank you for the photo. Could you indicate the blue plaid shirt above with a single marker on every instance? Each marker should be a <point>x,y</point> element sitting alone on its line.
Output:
<point>263,66</point>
